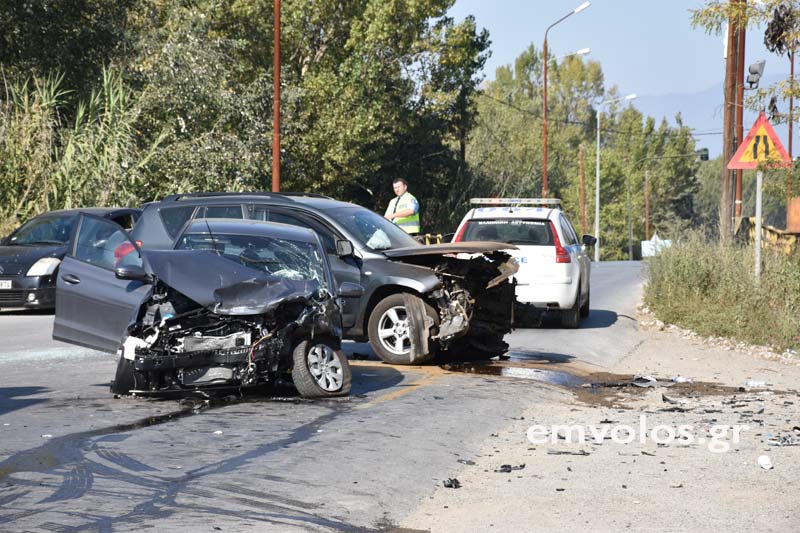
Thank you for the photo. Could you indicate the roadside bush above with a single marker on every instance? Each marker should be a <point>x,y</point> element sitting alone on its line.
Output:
<point>47,163</point>
<point>710,288</point>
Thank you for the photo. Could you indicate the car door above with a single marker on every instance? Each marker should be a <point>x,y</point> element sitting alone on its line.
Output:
<point>343,268</point>
<point>577,252</point>
<point>93,307</point>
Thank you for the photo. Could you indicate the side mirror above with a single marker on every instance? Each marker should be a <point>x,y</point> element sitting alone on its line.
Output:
<point>133,273</point>
<point>350,290</point>
<point>344,248</point>
<point>588,240</point>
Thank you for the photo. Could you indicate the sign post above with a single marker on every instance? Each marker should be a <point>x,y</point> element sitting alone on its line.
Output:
<point>760,148</point>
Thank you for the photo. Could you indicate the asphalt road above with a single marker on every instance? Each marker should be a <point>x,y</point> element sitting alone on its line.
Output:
<point>72,458</point>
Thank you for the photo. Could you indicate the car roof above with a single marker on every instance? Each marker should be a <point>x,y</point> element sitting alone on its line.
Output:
<point>97,211</point>
<point>488,213</point>
<point>315,201</point>
<point>227,226</point>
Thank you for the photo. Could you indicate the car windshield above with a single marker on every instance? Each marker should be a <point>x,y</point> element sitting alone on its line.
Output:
<point>54,230</point>
<point>294,260</point>
<point>371,229</point>
<point>510,230</point>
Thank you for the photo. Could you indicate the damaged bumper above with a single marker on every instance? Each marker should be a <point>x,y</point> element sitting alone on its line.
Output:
<point>474,304</point>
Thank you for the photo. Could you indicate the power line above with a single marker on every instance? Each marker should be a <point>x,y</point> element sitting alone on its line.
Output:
<point>588,125</point>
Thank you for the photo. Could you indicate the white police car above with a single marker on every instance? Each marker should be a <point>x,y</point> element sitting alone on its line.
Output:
<point>554,267</point>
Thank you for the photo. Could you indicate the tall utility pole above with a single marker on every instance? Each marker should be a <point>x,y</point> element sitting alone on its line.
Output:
<point>583,189</point>
<point>647,205</point>
<point>726,202</point>
<point>791,127</point>
<point>737,211</point>
<point>630,220</point>
<point>276,100</point>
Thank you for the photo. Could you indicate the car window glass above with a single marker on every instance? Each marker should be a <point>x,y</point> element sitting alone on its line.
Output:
<point>174,218</point>
<point>569,235</point>
<point>284,218</point>
<point>510,230</point>
<point>371,230</point>
<point>571,229</point>
<point>126,221</point>
<point>46,230</point>
<point>222,211</point>
<point>105,244</point>
<point>284,258</point>
<point>259,213</point>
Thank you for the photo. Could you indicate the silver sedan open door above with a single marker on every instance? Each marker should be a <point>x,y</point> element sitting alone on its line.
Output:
<point>93,305</point>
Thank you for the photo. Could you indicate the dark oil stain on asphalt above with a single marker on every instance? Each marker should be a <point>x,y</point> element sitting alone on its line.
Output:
<point>553,377</point>
<point>60,450</point>
<point>594,388</point>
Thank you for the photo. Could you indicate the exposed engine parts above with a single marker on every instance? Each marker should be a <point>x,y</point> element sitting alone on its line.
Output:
<point>178,345</point>
<point>473,304</point>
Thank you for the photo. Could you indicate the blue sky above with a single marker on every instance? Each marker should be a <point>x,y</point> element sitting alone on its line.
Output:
<point>644,46</point>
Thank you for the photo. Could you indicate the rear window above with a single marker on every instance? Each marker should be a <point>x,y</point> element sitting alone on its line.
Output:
<point>510,230</point>
<point>174,218</point>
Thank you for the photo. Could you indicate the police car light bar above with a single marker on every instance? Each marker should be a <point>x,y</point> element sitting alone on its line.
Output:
<point>516,201</point>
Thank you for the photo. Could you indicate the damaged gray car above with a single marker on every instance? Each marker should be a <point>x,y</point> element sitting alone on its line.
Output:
<point>418,302</point>
<point>235,304</point>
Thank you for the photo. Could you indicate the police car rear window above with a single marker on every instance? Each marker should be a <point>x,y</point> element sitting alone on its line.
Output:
<point>510,230</point>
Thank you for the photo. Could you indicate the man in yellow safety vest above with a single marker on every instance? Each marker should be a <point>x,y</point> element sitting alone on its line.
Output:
<point>403,210</point>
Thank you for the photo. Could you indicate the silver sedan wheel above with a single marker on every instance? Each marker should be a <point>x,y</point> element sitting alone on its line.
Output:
<point>393,330</point>
<point>326,367</point>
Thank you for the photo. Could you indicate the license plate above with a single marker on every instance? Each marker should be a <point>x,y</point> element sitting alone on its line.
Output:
<point>5,283</point>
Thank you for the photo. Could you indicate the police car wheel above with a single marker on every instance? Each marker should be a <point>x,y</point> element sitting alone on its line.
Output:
<point>571,318</point>
<point>585,306</point>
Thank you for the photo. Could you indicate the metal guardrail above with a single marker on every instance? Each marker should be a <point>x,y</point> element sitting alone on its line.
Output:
<point>775,238</point>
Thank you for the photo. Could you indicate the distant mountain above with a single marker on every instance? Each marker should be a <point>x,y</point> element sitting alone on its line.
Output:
<point>702,111</point>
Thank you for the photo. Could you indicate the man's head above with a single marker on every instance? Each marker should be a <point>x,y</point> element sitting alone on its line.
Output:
<point>400,186</point>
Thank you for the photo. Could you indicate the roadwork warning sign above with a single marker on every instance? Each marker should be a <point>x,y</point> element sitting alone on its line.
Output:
<point>761,145</point>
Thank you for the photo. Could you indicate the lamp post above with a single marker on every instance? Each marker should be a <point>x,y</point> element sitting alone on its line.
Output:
<point>544,77</point>
<point>581,52</point>
<point>597,177</point>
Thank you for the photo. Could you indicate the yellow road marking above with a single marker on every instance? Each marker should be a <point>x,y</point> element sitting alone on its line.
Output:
<point>401,390</point>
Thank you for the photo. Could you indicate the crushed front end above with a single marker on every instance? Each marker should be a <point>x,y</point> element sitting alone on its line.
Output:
<point>474,303</point>
<point>177,345</point>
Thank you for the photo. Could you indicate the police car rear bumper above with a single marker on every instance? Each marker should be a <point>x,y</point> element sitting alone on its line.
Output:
<point>551,293</point>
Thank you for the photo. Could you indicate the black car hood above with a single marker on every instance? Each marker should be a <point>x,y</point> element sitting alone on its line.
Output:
<point>473,247</point>
<point>221,285</point>
<point>22,257</point>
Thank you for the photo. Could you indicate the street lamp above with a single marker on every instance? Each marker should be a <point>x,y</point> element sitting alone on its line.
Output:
<point>581,52</point>
<point>544,134</point>
<point>597,177</point>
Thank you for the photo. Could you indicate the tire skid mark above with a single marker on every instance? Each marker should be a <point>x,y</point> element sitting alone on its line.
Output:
<point>162,492</point>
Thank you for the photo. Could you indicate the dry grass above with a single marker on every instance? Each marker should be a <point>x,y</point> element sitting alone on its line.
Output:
<point>710,288</point>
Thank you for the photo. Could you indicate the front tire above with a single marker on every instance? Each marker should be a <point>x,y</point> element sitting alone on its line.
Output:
<point>388,331</point>
<point>319,370</point>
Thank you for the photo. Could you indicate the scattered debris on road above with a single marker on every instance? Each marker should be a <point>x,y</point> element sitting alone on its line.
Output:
<point>452,483</point>
<point>507,469</point>
<point>765,462</point>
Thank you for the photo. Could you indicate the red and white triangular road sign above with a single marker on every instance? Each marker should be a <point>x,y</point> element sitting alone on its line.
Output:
<point>761,145</point>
